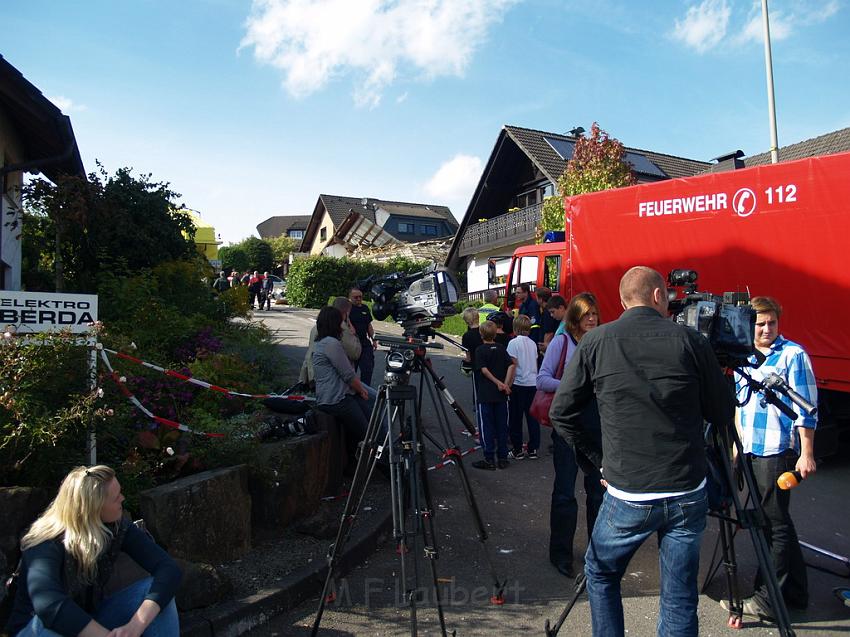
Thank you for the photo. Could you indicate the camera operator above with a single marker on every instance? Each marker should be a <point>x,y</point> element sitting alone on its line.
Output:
<point>774,444</point>
<point>655,382</point>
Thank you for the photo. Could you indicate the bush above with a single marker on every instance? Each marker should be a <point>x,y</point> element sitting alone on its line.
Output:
<point>45,407</point>
<point>313,279</point>
<point>175,320</point>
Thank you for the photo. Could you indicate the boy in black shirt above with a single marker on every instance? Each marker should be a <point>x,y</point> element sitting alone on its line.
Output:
<point>495,374</point>
<point>471,339</point>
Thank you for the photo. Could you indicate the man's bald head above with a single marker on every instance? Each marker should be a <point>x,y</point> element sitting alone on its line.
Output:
<point>643,286</point>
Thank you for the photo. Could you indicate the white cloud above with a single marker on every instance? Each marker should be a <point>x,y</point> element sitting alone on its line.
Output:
<point>704,25</point>
<point>707,24</point>
<point>780,28</point>
<point>315,41</point>
<point>783,24</point>
<point>66,104</point>
<point>401,98</point>
<point>454,182</point>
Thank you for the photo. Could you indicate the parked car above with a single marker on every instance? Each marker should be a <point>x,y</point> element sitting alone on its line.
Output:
<point>279,289</point>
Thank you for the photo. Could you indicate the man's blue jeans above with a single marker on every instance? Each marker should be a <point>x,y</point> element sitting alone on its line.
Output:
<point>116,610</point>
<point>621,528</point>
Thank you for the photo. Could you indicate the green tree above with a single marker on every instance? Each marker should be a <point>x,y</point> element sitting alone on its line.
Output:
<point>282,247</point>
<point>598,163</point>
<point>249,254</point>
<point>234,258</point>
<point>260,254</point>
<point>105,222</point>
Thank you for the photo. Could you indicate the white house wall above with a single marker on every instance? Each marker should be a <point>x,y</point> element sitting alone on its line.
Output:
<point>336,250</point>
<point>10,207</point>
<point>476,272</point>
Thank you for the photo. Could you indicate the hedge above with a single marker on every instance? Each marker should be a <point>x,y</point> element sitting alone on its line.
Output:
<point>312,280</point>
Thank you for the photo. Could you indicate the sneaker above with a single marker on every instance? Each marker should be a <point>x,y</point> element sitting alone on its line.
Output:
<point>504,463</point>
<point>485,464</point>
<point>750,607</point>
<point>532,454</point>
<point>517,454</point>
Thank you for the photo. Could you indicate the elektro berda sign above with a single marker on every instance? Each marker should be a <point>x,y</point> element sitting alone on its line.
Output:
<point>46,311</point>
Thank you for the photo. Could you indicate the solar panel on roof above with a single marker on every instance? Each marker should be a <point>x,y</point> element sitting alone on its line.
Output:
<point>642,165</point>
<point>563,147</point>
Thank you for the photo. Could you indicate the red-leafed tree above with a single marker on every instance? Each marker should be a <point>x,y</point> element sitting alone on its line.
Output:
<point>598,163</point>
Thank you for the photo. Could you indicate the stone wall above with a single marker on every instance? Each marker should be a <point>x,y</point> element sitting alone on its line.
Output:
<point>293,479</point>
<point>19,507</point>
<point>205,517</point>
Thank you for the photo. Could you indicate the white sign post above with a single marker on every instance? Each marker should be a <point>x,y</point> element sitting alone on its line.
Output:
<point>35,312</point>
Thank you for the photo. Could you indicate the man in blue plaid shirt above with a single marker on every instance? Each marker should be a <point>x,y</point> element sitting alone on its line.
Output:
<point>775,444</point>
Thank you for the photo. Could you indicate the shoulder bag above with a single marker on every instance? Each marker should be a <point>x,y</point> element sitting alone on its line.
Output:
<point>543,399</point>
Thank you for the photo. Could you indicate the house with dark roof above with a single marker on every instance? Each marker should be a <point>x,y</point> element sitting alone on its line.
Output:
<point>292,226</point>
<point>828,144</point>
<point>339,225</point>
<point>34,137</point>
<point>522,170</point>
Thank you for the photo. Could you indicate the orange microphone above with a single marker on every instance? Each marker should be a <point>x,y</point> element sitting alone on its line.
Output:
<point>789,480</point>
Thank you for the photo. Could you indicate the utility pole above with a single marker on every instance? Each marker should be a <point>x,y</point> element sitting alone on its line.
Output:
<point>771,101</point>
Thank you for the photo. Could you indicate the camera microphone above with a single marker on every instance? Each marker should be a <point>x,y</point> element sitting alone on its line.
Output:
<point>789,480</point>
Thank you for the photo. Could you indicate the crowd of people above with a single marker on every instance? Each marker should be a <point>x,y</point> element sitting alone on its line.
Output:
<point>629,402</point>
<point>260,286</point>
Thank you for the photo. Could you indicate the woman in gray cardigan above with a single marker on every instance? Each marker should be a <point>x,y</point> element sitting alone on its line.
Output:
<point>339,391</point>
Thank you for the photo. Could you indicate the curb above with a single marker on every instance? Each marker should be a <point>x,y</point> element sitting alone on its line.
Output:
<point>238,616</point>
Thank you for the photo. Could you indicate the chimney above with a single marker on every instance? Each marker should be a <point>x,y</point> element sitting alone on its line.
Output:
<point>728,161</point>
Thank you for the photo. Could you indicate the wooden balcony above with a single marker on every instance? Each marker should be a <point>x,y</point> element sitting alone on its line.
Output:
<point>507,229</point>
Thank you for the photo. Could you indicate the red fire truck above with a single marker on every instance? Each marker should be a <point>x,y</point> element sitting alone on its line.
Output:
<point>779,230</point>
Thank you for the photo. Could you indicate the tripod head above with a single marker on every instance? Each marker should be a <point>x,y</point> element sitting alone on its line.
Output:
<point>404,356</point>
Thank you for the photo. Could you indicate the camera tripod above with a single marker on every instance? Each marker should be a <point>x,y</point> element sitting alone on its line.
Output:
<point>719,442</point>
<point>395,434</point>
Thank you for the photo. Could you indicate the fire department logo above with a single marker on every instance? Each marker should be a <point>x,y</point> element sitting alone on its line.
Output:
<point>744,202</point>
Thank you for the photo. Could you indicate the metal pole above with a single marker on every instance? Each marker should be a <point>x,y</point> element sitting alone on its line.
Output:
<point>771,102</point>
<point>92,371</point>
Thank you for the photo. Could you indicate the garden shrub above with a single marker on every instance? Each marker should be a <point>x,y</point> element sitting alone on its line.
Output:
<point>45,401</point>
<point>167,315</point>
<point>313,279</point>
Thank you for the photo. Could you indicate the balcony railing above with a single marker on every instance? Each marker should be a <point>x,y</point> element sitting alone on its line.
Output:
<point>504,230</point>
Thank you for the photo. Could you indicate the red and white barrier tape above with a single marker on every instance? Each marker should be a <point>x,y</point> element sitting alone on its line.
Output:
<point>195,381</point>
<point>171,424</point>
<point>331,498</point>
<point>449,459</point>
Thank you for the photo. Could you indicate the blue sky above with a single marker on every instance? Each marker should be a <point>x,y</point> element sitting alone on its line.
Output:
<point>251,109</point>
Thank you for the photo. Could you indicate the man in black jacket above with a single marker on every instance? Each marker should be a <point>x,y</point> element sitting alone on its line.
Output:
<point>655,382</point>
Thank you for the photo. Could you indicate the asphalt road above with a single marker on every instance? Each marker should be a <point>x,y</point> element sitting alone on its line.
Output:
<point>515,506</point>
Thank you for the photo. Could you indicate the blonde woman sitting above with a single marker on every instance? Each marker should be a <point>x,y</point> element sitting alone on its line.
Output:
<point>68,555</point>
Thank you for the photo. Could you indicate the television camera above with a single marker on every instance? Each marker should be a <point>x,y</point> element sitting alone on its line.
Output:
<point>727,321</point>
<point>417,301</point>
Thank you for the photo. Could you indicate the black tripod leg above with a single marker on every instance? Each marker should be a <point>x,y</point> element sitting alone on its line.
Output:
<point>362,475</point>
<point>498,597</point>
<point>727,539</point>
<point>580,585</point>
<point>754,520</point>
<point>426,515</point>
